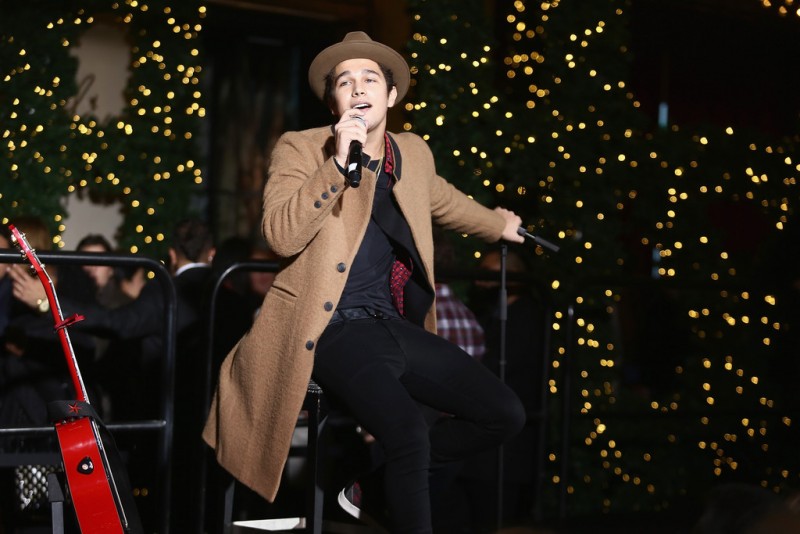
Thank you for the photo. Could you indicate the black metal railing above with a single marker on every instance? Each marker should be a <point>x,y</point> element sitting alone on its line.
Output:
<point>163,426</point>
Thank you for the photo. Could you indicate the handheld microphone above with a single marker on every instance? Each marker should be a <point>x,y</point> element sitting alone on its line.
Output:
<point>354,164</point>
<point>538,240</point>
<point>354,160</point>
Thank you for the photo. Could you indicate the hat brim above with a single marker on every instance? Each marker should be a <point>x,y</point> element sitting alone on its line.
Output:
<point>358,49</point>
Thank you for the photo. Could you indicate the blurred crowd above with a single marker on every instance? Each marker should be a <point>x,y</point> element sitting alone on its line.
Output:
<point>120,347</point>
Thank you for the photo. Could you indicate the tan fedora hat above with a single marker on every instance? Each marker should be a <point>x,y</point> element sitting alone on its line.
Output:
<point>358,45</point>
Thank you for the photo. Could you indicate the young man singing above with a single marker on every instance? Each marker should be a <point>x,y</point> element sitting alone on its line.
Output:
<point>353,307</point>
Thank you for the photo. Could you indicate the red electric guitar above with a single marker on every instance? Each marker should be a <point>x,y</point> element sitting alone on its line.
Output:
<point>103,502</point>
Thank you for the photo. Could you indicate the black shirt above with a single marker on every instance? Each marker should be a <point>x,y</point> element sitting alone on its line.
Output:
<point>368,282</point>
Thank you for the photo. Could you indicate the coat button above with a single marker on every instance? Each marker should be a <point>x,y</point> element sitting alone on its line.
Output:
<point>324,196</point>
<point>309,344</point>
<point>328,306</point>
<point>341,267</point>
<point>334,189</point>
<point>317,204</point>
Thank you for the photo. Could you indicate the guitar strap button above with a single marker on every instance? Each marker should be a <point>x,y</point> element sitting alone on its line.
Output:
<point>86,466</point>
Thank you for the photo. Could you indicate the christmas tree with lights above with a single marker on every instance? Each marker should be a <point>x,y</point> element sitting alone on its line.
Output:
<point>671,347</point>
<point>147,158</point>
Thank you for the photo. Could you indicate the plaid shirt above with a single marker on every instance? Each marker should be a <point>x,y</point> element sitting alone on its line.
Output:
<point>456,323</point>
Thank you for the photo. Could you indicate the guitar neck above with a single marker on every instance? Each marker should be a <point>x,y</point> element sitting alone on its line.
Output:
<point>55,309</point>
<point>63,336</point>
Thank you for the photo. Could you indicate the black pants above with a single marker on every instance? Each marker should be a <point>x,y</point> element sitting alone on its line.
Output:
<point>380,369</point>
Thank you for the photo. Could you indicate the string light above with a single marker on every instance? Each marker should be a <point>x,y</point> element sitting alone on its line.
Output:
<point>782,7</point>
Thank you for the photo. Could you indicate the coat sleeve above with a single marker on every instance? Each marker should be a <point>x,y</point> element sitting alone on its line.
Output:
<point>302,189</point>
<point>456,211</point>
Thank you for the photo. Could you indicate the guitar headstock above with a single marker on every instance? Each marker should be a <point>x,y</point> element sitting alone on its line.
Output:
<point>29,253</point>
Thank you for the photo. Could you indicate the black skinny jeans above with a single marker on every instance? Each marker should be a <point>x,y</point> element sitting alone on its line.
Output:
<point>380,369</point>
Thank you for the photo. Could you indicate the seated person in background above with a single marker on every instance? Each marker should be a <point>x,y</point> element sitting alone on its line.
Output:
<point>114,362</point>
<point>108,290</point>
<point>27,289</point>
<point>191,252</point>
<point>454,320</point>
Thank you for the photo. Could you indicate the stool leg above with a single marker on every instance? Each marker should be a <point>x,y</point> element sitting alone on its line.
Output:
<point>316,494</point>
<point>227,510</point>
<point>56,497</point>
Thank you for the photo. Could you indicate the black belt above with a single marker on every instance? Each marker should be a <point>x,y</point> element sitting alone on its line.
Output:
<point>353,314</point>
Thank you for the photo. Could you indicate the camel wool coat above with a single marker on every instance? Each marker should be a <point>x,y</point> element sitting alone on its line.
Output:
<point>317,223</point>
